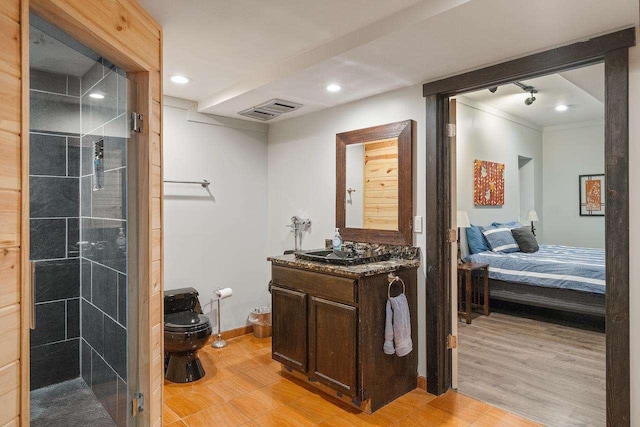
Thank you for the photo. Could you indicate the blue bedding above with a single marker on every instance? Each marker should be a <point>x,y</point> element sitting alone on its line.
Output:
<point>565,267</point>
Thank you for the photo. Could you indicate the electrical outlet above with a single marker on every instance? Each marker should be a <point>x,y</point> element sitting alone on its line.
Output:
<point>417,224</point>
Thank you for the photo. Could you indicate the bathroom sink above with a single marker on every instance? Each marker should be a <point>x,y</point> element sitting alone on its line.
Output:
<point>341,258</point>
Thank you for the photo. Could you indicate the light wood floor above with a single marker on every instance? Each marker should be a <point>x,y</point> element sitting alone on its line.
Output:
<point>549,373</point>
<point>243,386</point>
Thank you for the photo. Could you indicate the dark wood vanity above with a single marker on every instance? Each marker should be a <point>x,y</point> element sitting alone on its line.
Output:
<point>328,327</point>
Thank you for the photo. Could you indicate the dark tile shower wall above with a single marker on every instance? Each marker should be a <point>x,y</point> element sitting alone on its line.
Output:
<point>54,185</point>
<point>103,226</point>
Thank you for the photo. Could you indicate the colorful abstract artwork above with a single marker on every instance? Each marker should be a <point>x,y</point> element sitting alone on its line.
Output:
<point>592,195</point>
<point>488,183</point>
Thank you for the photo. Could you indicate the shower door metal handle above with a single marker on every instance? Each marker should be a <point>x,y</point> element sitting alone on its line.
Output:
<point>32,316</point>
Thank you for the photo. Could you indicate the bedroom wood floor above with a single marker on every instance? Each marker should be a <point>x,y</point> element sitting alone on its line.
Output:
<point>549,373</point>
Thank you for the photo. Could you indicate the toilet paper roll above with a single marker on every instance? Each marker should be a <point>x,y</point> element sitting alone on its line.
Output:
<point>224,293</point>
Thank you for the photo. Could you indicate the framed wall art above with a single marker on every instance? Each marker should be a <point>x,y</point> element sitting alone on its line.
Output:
<point>488,183</point>
<point>592,196</point>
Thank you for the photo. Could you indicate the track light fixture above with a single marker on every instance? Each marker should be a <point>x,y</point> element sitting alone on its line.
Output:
<point>532,91</point>
<point>530,99</point>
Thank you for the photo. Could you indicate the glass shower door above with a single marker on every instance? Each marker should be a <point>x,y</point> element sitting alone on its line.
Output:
<point>82,196</point>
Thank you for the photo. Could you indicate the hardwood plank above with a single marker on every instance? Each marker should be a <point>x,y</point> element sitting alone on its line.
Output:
<point>156,340</point>
<point>9,276</point>
<point>9,218</point>
<point>156,114</point>
<point>155,407</point>
<point>155,81</point>
<point>156,279</point>
<point>10,161</point>
<point>156,181</point>
<point>156,152</point>
<point>156,213</point>
<point>10,108</point>
<point>10,377</point>
<point>549,373</point>
<point>155,308</point>
<point>156,246</point>
<point>9,405</point>
<point>9,334</point>
<point>25,223</point>
<point>13,423</point>
<point>112,28</point>
<point>9,46</point>
<point>10,9</point>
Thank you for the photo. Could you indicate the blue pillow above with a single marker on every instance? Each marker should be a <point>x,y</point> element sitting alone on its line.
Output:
<point>476,240</point>
<point>510,224</point>
<point>500,239</point>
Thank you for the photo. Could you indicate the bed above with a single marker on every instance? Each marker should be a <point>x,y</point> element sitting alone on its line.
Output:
<point>558,277</point>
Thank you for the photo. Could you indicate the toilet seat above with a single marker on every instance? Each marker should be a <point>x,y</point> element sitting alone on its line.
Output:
<point>186,321</point>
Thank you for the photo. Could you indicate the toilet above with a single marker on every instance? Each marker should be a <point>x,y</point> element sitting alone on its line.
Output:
<point>186,330</point>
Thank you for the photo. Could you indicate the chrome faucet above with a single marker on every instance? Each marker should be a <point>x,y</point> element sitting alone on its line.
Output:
<point>298,225</point>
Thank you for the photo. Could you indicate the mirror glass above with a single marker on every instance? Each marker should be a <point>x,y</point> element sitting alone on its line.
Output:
<point>372,185</point>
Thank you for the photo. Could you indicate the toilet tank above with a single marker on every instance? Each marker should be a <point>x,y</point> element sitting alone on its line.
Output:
<point>183,299</point>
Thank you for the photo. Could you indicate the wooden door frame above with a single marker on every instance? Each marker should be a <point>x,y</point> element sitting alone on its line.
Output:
<point>148,76</point>
<point>612,49</point>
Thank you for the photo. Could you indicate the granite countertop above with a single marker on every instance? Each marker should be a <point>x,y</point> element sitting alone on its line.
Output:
<point>355,271</point>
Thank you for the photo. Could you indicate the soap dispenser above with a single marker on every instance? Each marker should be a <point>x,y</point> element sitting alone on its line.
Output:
<point>337,241</point>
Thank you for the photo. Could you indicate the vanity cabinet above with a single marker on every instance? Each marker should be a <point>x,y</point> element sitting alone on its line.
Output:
<point>333,343</point>
<point>328,330</point>
<point>289,320</point>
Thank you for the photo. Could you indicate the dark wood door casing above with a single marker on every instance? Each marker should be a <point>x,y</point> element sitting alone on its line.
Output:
<point>289,327</point>
<point>333,343</point>
<point>613,50</point>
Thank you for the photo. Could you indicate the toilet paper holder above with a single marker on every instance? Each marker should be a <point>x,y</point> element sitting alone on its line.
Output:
<point>221,293</point>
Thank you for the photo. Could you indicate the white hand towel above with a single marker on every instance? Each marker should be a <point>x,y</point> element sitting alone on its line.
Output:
<point>401,325</point>
<point>388,332</point>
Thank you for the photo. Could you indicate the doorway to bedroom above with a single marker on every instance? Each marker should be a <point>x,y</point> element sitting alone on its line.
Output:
<point>528,287</point>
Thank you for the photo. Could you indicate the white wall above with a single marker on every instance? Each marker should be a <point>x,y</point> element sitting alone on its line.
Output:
<point>354,178</point>
<point>217,239</point>
<point>487,134</point>
<point>302,172</point>
<point>570,151</point>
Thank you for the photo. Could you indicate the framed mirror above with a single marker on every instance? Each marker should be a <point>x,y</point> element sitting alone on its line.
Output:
<point>374,183</point>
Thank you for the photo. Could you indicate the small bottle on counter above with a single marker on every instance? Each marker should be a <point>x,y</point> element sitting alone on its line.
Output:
<point>337,241</point>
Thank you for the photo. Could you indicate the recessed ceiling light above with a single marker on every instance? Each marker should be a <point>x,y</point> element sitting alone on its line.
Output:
<point>334,88</point>
<point>96,95</point>
<point>562,107</point>
<point>180,79</point>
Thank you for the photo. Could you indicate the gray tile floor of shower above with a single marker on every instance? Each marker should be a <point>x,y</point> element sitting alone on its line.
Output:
<point>69,403</point>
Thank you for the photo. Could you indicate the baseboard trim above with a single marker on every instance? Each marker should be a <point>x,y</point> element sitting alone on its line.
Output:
<point>422,383</point>
<point>237,332</point>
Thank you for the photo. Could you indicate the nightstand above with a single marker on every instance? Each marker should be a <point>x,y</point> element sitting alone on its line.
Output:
<point>469,282</point>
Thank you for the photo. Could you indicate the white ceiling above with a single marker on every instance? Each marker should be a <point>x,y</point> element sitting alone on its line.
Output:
<point>553,90</point>
<point>244,52</point>
<point>48,54</point>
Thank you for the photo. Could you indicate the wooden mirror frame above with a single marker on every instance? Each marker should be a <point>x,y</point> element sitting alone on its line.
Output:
<point>405,132</point>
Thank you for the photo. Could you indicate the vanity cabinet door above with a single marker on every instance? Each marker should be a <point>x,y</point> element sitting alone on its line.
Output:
<point>333,344</point>
<point>289,319</point>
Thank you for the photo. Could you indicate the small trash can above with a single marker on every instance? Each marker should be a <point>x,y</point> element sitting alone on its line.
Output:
<point>260,318</point>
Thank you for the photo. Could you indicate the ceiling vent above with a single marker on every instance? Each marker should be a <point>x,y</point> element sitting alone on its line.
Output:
<point>279,106</point>
<point>257,113</point>
<point>270,109</point>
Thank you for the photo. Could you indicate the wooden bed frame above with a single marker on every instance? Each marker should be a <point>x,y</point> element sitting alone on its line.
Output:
<point>567,300</point>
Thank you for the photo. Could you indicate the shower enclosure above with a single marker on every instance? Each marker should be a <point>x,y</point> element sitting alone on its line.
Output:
<point>83,341</point>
